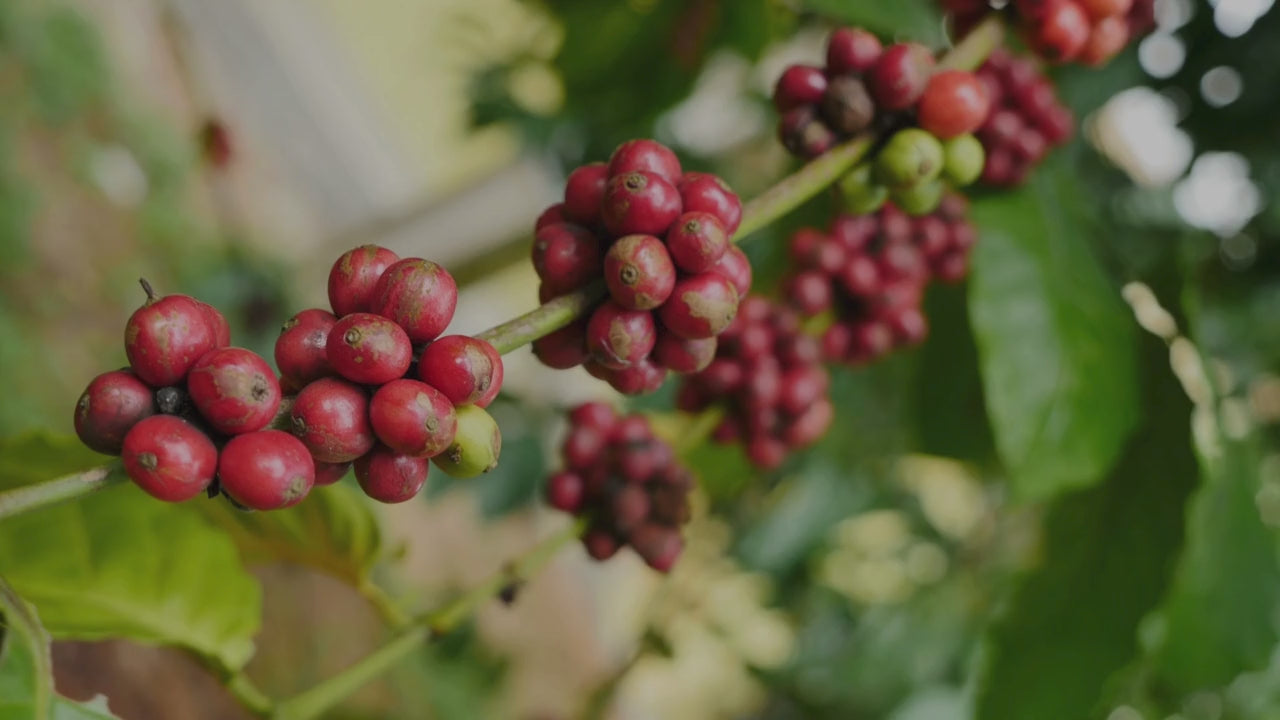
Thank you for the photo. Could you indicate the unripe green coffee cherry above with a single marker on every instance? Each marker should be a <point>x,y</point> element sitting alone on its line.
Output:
<point>476,446</point>
<point>911,157</point>
<point>964,160</point>
<point>921,199</point>
<point>860,194</point>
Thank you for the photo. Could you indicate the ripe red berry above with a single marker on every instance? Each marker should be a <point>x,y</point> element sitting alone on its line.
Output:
<point>1102,9</point>
<point>641,378</point>
<point>466,370</point>
<point>735,267</point>
<point>639,272</point>
<point>165,337</point>
<point>1106,40</point>
<point>584,446</point>
<point>566,257</point>
<point>701,306</point>
<point>368,349</point>
<point>683,356</point>
<point>331,417</point>
<point>235,390</point>
<point>630,506</point>
<point>552,215</point>
<point>600,544</point>
<point>563,349</point>
<point>266,470</point>
<point>766,452</point>
<point>112,404</point>
<point>391,477</point>
<point>413,418</point>
<point>860,276</point>
<point>1062,33</point>
<point>801,387</point>
<point>169,458</point>
<point>598,415</point>
<point>640,203</point>
<point>217,323</point>
<point>703,192</point>
<point>657,545</point>
<point>803,134</point>
<point>647,156</point>
<point>810,425</point>
<point>584,192</point>
<point>852,50</point>
<point>799,85</point>
<point>354,275</point>
<point>330,473</point>
<point>419,295</point>
<point>899,77</point>
<point>565,492</point>
<point>953,104</point>
<point>300,349</point>
<point>618,337</point>
<point>697,241</point>
<point>810,292</point>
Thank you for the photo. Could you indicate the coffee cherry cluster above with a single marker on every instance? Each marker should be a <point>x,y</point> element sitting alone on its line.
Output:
<point>362,398</point>
<point>626,481</point>
<point>661,239</point>
<point>865,86</point>
<point>1027,119</point>
<point>1086,31</point>
<point>769,380</point>
<point>869,272</point>
<point>191,414</point>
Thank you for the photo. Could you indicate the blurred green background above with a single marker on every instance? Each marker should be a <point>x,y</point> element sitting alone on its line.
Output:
<point>1064,505</point>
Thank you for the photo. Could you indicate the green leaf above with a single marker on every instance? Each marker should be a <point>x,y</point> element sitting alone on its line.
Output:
<point>96,709</point>
<point>1055,342</point>
<point>26,670</point>
<point>334,531</point>
<point>119,563</point>
<point>1218,617</point>
<point>917,20</point>
<point>1107,559</point>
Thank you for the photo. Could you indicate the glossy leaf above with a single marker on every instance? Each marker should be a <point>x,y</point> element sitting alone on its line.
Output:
<point>1107,558</point>
<point>1054,339</point>
<point>121,564</point>
<point>917,20</point>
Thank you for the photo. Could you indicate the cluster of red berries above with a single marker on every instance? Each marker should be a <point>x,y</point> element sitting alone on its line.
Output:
<point>362,398</point>
<point>661,239</point>
<point>191,408</point>
<point>864,85</point>
<point>1027,118</point>
<point>870,272</point>
<point>769,380</point>
<point>626,481</point>
<point>1086,31</point>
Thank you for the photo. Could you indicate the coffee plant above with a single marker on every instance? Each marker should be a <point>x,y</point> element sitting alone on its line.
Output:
<point>916,408</point>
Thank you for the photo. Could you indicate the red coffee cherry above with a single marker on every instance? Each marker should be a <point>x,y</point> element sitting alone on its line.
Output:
<point>565,492</point>
<point>235,390</point>
<point>640,203</point>
<point>354,275</point>
<point>659,546</point>
<point>704,192</point>
<point>681,355</point>
<point>391,477</point>
<point>331,417</point>
<point>165,337</point>
<point>1103,9</point>
<point>169,458</point>
<point>899,77</point>
<point>953,104</point>
<point>563,349</point>
<point>596,415</point>
<point>1062,33</point>
<point>419,295</point>
<point>217,323</point>
<point>551,216</point>
<point>266,470</point>
<point>766,452</point>
<point>701,306</point>
<point>584,192</point>
<point>631,503</point>
<point>300,349</point>
<point>697,241</point>
<point>584,446</point>
<point>330,473</point>
<point>413,418</point>
<point>810,292</point>
<point>803,133</point>
<point>799,85</point>
<point>641,378</point>
<point>112,404</point>
<point>466,370</point>
<point>618,337</point>
<point>810,425</point>
<point>368,349</point>
<point>1106,40</point>
<point>645,156</point>
<point>852,50</point>
<point>566,257</point>
<point>600,544</point>
<point>639,272</point>
<point>735,267</point>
